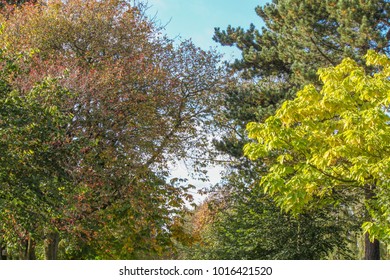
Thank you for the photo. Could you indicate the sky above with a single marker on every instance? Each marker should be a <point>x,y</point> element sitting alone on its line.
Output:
<point>196,19</point>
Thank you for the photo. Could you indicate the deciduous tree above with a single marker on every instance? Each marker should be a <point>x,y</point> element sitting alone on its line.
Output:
<point>332,142</point>
<point>138,103</point>
<point>36,155</point>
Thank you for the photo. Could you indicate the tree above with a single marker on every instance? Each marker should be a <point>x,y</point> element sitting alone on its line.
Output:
<point>138,103</point>
<point>332,142</point>
<point>277,60</point>
<point>34,166</point>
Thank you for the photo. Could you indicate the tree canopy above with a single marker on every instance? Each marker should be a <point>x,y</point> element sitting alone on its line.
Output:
<point>136,102</point>
<point>298,38</point>
<point>36,157</point>
<point>331,141</point>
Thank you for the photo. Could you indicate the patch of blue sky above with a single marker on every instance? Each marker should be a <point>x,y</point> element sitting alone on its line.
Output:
<point>196,19</point>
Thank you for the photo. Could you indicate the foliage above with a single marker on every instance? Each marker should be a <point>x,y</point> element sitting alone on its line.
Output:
<point>138,103</point>
<point>298,37</point>
<point>35,149</point>
<point>277,60</point>
<point>331,141</point>
<point>244,223</point>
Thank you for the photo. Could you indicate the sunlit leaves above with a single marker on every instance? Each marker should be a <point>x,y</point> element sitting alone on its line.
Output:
<point>330,139</point>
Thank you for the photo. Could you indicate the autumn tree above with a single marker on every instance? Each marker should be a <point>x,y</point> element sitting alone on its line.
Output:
<point>332,141</point>
<point>139,101</point>
<point>10,3</point>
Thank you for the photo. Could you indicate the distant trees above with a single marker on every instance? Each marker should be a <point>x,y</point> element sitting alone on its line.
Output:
<point>240,225</point>
<point>135,102</point>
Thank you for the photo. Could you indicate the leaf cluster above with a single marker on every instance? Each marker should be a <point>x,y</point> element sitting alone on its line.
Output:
<point>329,141</point>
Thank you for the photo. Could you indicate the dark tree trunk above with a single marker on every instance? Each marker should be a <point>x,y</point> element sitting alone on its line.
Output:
<point>371,249</point>
<point>3,252</point>
<point>51,246</point>
<point>27,249</point>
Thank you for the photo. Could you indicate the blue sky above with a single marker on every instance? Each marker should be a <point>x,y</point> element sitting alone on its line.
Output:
<point>196,19</point>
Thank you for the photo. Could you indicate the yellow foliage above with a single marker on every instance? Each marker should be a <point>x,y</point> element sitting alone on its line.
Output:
<point>339,136</point>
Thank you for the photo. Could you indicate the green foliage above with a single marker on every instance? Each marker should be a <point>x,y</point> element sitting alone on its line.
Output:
<point>278,60</point>
<point>35,149</point>
<point>138,101</point>
<point>244,223</point>
<point>298,38</point>
<point>331,141</point>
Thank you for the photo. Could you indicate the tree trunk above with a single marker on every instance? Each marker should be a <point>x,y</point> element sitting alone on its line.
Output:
<point>27,249</point>
<point>30,250</point>
<point>371,249</point>
<point>51,246</point>
<point>3,252</point>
